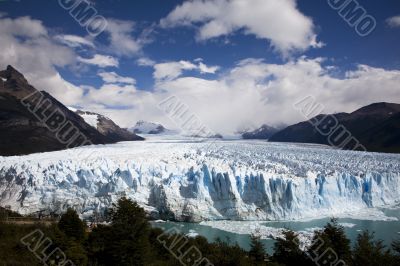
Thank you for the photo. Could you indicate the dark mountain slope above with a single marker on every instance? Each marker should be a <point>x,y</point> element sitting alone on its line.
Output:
<point>376,126</point>
<point>264,132</point>
<point>28,120</point>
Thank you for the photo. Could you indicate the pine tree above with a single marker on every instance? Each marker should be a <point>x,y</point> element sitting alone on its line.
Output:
<point>287,250</point>
<point>130,233</point>
<point>330,243</point>
<point>369,252</point>
<point>396,246</point>
<point>72,226</point>
<point>396,249</point>
<point>257,250</point>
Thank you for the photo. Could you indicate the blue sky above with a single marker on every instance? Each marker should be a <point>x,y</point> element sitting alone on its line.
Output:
<point>257,58</point>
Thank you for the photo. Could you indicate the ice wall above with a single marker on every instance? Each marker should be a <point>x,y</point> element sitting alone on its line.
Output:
<point>191,182</point>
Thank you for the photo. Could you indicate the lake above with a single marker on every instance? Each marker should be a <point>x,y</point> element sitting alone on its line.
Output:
<point>386,230</point>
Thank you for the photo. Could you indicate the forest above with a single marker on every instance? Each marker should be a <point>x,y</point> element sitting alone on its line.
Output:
<point>129,239</point>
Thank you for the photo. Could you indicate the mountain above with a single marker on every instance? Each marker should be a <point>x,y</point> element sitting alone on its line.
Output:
<point>376,126</point>
<point>107,127</point>
<point>264,132</point>
<point>32,121</point>
<point>144,127</point>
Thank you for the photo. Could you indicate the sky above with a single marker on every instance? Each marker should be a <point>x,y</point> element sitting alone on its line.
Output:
<point>235,64</point>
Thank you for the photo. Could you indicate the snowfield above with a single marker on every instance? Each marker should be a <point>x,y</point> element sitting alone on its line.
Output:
<point>194,180</point>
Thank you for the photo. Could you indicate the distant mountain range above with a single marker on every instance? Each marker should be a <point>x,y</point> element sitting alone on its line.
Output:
<point>33,121</point>
<point>30,123</point>
<point>376,126</point>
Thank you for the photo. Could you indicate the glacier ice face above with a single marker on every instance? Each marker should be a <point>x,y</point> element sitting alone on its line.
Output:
<point>192,180</point>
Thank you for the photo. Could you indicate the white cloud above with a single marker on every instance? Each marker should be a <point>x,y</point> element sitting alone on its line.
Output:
<point>172,70</point>
<point>250,94</point>
<point>74,41</point>
<point>120,37</point>
<point>280,22</point>
<point>394,21</point>
<point>100,60</point>
<point>144,61</point>
<point>112,77</point>
<point>23,27</point>
<point>206,69</point>
<point>37,56</point>
<point>111,95</point>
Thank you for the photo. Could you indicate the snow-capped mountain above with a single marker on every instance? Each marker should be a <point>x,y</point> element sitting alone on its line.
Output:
<point>196,181</point>
<point>264,132</point>
<point>89,117</point>
<point>144,127</point>
<point>107,127</point>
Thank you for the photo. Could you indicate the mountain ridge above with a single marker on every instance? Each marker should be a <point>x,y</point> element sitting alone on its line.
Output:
<point>364,124</point>
<point>34,121</point>
<point>109,128</point>
<point>264,132</point>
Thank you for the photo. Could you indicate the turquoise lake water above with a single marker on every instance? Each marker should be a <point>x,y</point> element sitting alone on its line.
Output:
<point>384,230</point>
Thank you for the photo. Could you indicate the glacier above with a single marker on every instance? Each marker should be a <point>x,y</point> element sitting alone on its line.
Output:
<point>187,179</point>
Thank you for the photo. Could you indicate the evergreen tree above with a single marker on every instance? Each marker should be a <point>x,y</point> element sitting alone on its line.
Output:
<point>99,241</point>
<point>330,243</point>
<point>257,250</point>
<point>396,249</point>
<point>76,253</point>
<point>369,252</point>
<point>221,253</point>
<point>130,233</point>
<point>287,250</point>
<point>72,226</point>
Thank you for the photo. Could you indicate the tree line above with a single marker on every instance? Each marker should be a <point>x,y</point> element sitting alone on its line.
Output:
<point>130,239</point>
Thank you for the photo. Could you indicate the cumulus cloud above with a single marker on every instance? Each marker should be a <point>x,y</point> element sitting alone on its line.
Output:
<point>120,37</point>
<point>112,77</point>
<point>37,56</point>
<point>251,93</point>
<point>100,60</point>
<point>144,61</point>
<point>23,27</point>
<point>280,22</point>
<point>393,21</point>
<point>74,41</point>
<point>254,92</point>
<point>207,69</point>
<point>172,70</point>
<point>111,96</point>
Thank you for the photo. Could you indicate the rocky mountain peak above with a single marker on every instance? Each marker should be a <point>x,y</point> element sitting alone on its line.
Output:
<point>14,83</point>
<point>145,127</point>
<point>264,132</point>
<point>12,74</point>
